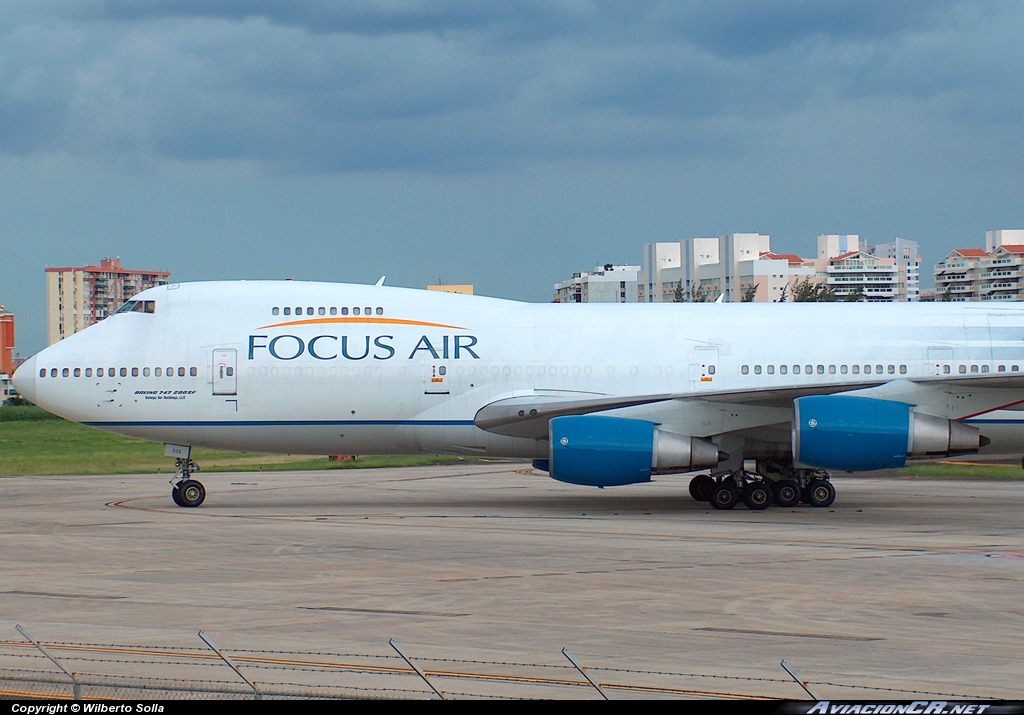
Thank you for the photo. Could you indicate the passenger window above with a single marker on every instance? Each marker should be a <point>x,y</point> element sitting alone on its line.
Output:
<point>344,311</point>
<point>974,368</point>
<point>367,311</point>
<point>380,311</point>
<point>945,369</point>
<point>963,369</point>
<point>135,372</point>
<point>757,369</point>
<point>181,372</point>
<point>867,369</point>
<point>145,372</point>
<point>856,369</point>
<point>711,370</point>
<point>298,311</point>
<point>287,311</point>
<point>984,368</point>
<point>1015,368</point>
<point>783,369</point>
<point>309,311</point>
<point>821,369</point>
<point>275,311</point>
<point>903,369</point>
<point>808,369</point>
<point>124,372</point>
<point>892,369</point>
<point>65,372</point>
<point>111,372</point>
<point>99,372</point>
<point>842,369</point>
<point>42,372</point>
<point>78,372</point>
<point>194,371</point>
<point>771,369</point>
<point>230,371</point>
<point>1001,368</point>
<point>322,311</point>
<point>743,370</point>
<point>796,369</point>
<point>53,372</point>
<point>442,370</point>
<point>88,372</point>
<point>334,311</point>
<point>158,372</point>
<point>878,369</point>
<point>831,369</point>
<point>355,311</point>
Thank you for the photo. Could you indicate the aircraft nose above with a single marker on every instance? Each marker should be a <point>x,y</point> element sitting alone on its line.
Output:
<point>24,379</point>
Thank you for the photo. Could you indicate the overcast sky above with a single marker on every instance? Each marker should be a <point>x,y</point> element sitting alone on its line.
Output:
<point>505,144</point>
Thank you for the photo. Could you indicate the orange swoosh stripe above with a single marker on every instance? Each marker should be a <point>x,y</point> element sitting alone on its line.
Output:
<point>346,321</point>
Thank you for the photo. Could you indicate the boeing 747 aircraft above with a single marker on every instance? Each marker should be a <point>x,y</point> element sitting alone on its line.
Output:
<point>763,400</point>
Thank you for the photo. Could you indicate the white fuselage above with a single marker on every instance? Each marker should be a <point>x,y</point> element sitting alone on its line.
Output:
<point>291,367</point>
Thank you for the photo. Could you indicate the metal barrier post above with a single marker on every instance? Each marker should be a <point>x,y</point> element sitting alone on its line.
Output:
<point>223,656</point>
<point>76,688</point>
<point>391,642</point>
<point>567,654</point>
<point>802,683</point>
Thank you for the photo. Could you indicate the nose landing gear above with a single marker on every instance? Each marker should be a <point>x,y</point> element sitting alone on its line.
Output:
<point>185,491</point>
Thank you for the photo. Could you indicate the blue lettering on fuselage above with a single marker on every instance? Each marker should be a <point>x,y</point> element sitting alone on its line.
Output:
<point>326,347</point>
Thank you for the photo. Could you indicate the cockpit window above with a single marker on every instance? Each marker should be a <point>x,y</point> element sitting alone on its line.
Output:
<point>137,306</point>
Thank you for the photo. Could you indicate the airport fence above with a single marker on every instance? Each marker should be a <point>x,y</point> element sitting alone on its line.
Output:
<point>95,671</point>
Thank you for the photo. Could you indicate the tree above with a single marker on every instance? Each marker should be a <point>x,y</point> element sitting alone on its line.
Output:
<point>749,293</point>
<point>677,296</point>
<point>807,291</point>
<point>698,294</point>
<point>855,296</point>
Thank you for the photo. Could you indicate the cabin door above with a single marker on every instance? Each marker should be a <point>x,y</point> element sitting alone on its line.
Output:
<point>703,368</point>
<point>225,381</point>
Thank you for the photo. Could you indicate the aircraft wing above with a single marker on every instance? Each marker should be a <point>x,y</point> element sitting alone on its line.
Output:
<point>528,415</point>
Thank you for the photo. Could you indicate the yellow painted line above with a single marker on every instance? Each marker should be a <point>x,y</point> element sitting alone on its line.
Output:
<point>348,321</point>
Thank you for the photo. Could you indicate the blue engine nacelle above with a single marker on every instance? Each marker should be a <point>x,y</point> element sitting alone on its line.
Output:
<point>859,434</point>
<point>600,451</point>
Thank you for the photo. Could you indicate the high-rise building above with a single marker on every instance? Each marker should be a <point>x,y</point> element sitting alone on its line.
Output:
<point>1003,236</point>
<point>831,245</point>
<point>660,273</point>
<point>957,276</point>
<point>908,262</point>
<point>6,342</point>
<point>462,288</point>
<point>78,297</point>
<point>876,279</point>
<point>606,284</point>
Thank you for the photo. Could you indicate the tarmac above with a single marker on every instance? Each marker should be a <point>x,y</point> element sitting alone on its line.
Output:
<point>483,573</point>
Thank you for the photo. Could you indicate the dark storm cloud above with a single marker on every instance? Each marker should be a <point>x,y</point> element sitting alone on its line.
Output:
<point>440,86</point>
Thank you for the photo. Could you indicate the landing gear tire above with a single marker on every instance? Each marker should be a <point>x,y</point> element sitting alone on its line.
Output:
<point>701,486</point>
<point>723,496</point>
<point>190,493</point>
<point>176,496</point>
<point>787,493</point>
<point>821,493</point>
<point>757,496</point>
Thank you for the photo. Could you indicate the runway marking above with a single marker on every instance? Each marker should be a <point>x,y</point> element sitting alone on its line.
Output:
<point>63,595</point>
<point>383,611</point>
<point>744,631</point>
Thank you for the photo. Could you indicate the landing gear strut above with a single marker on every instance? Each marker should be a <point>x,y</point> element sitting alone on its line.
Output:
<point>773,483</point>
<point>185,491</point>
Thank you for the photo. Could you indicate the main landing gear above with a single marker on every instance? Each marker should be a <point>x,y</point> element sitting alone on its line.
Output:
<point>758,492</point>
<point>185,491</point>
